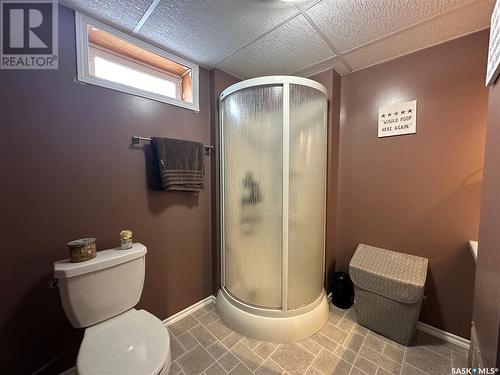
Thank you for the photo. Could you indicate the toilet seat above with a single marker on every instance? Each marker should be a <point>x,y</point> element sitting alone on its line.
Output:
<point>134,342</point>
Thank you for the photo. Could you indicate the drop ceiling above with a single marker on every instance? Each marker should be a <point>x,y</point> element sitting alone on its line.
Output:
<point>250,38</point>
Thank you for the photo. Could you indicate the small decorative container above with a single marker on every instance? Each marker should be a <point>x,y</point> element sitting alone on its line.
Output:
<point>82,250</point>
<point>126,239</point>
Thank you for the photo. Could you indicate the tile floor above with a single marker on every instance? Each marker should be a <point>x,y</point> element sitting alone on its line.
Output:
<point>202,344</point>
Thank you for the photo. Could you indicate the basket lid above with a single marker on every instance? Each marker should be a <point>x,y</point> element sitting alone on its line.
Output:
<point>104,259</point>
<point>400,277</point>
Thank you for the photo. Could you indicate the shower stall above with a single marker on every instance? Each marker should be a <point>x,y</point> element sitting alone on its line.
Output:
<point>273,183</point>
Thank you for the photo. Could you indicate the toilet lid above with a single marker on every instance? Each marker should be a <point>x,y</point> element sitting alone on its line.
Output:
<point>134,342</point>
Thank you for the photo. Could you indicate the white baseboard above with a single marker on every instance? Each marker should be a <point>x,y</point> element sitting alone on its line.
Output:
<point>447,336</point>
<point>188,310</point>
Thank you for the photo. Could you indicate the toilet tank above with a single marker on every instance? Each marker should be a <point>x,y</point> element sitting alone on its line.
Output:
<point>103,287</point>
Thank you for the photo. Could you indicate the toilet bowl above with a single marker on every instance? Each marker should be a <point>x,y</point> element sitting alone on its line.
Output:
<point>100,295</point>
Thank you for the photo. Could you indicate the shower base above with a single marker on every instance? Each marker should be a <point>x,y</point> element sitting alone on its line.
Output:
<point>273,325</point>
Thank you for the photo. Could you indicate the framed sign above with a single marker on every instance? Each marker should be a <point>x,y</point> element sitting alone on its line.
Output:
<point>397,119</point>
<point>494,48</point>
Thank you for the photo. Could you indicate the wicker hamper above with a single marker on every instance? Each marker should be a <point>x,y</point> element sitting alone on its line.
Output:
<point>389,289</point>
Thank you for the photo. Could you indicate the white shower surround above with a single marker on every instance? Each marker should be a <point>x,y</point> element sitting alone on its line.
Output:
<point>283,324</point>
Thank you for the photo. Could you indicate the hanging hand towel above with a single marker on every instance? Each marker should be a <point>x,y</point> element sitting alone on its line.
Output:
<point>180,163</point>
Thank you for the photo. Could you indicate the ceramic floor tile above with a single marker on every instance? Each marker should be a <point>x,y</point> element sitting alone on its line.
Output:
<point>182,325</point>
<point>410,370</point>
<point>328,363</point>
<point>336,334</point>
<point>382,361</point>
<point>435,344</point>
<point>248,357</point>
<point>228,361</point>
<point>187,340</point>
<point>204,337</point>
<point>292,358</point>
<point>324,341</point>
<point>345,354</point>
<point>174,369</point>
<point>251,343</point>
<point>240,370</point>
<point>365,365</point>
<point>354,341</point>
<point>264,349</point>
<point>313,371</point>
<point>428,361</point>
<point>202,345</point>
<point>356,371</point>
<point>269,367</point>
<point>359,329</point>
<point>393,353</point>
<point>458,361</point>
<point>215,369</point>
<point>346,324</point>
<point>374,343</point>
<point>176,349</point>
<point>231,340</point>
<point>381,371</point>
<point>208,318</point>
<point>217,350</point>
<point>310,345</point>
<point>218,329</point>
<point>195,361</point>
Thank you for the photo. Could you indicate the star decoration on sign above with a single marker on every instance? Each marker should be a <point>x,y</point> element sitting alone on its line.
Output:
<point>390,114</point>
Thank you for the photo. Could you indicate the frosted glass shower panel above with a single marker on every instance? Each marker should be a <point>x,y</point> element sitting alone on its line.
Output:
<point>307,169</point>
<point>252,187</point>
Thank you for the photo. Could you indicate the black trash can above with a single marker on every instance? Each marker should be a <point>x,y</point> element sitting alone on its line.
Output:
<point>342,290</point>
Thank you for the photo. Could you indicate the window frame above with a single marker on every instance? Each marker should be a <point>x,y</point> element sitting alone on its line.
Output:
<point>82,21</point>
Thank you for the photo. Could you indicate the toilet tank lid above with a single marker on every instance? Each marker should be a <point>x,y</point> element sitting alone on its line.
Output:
<point>104,259</point>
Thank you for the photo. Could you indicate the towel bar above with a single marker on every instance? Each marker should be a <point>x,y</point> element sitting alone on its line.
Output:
<point>136,140</point>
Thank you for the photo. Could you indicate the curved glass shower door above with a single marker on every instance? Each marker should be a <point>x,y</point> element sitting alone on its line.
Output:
<point>307,203</point>
<point>252,201</point>
<point>273,183</point>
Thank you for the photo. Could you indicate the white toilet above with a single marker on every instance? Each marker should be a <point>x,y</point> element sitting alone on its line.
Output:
<point>100,294</point>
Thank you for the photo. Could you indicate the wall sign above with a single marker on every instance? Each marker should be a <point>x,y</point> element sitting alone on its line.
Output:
<point>397,119</point>
<point>494,48</point>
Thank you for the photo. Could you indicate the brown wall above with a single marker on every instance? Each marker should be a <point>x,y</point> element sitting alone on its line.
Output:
<point>67,171</point>
<point>418,194</point>
<point>331,80</point>
<point>486,314</point>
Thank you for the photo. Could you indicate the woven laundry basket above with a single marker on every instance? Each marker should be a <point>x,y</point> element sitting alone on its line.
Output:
<point>389,289</point>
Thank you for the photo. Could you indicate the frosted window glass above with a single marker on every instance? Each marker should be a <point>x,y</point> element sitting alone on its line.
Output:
<point>252,136</point>
<point>306,195</point>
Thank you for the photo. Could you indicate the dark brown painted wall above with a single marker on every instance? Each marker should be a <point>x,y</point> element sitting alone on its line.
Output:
<point>67,171</point>
<point>418,194</point>
<point>331,80</point>
<point>486,313</point>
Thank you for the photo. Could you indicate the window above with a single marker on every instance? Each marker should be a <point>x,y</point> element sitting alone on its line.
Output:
<point>112,59</point>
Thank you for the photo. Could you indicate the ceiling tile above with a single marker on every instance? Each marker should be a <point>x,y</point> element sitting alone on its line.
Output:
<point>331,63</point>
<point>124,13</point>
<point>290,48</point>
<point>466,20</point>
<point>207,31</point>
<point>348,24</point>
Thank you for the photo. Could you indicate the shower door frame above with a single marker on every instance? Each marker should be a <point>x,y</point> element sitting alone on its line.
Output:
<point>284,82</point>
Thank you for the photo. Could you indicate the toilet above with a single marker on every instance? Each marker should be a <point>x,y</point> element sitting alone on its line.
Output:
<point>99,295</point>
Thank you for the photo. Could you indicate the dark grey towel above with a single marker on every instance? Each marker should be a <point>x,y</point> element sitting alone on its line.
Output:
<point>180,163</point>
